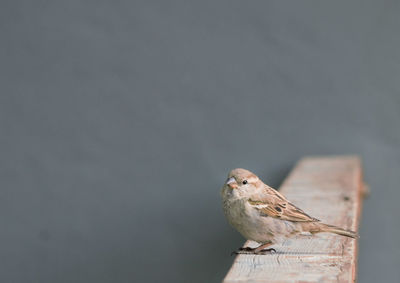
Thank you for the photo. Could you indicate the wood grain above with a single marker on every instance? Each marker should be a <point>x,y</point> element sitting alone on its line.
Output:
<point>330,189</point>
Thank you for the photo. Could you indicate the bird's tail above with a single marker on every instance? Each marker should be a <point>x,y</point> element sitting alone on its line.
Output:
<point>337,230</point>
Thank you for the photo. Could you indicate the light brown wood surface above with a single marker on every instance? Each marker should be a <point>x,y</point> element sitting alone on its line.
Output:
<point>330,189</point>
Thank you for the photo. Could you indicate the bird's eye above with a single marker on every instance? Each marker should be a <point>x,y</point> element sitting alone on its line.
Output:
<point>244,182</point>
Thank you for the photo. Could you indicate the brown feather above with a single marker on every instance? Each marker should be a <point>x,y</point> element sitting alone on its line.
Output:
<point>273,204</point>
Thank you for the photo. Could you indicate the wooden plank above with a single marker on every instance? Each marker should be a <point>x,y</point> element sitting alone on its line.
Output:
<point>330,189</point>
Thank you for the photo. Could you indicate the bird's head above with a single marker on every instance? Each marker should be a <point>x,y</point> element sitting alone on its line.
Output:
<point>241,183</point>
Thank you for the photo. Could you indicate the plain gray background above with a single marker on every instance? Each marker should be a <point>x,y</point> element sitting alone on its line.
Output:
<point>120,120</point>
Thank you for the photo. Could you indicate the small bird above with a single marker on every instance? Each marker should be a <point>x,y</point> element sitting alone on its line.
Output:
<point>264,215</point>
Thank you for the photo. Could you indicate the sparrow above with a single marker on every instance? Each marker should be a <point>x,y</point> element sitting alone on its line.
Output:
<point>264,215</point>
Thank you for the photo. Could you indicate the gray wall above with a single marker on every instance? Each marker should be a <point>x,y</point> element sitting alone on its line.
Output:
<point>120,120</point>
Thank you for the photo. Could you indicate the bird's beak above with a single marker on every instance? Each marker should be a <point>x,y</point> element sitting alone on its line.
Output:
<point>231,182</point>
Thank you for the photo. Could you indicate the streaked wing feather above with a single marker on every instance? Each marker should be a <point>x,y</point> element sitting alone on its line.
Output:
<point>274,204</point>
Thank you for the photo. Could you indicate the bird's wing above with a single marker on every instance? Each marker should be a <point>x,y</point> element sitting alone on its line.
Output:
<point>273,204</point>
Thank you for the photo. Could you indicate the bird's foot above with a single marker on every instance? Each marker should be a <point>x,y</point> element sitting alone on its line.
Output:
<point>253,251</point>
<point>246,250</point>
<point>264,252</point>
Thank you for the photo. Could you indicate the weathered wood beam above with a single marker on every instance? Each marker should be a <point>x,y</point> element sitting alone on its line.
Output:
<point>330,189</point>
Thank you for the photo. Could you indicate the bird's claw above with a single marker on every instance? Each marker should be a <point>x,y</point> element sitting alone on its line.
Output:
<point>246,249</point>
<point>266,251</point>
<point>251,251</point>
